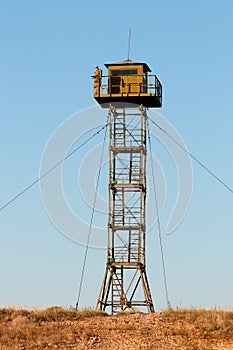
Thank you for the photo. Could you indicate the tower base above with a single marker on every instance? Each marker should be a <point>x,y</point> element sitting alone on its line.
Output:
<point>120,287</point>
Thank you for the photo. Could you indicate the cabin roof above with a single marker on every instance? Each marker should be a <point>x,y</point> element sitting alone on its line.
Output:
<point>146,68</point>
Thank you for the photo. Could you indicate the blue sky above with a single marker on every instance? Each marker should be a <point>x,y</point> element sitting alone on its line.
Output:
<point>48,53</point>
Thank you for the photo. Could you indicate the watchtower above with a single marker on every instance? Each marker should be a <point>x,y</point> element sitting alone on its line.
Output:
<point>128,90</point>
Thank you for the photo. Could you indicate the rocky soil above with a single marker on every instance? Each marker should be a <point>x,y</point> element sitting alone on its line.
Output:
<point>56,328</point>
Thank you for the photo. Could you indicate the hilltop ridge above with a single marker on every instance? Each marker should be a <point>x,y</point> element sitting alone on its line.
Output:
<point>56,328</point>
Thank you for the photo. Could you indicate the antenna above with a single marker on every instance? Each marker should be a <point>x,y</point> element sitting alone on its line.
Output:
<point>129,39</point>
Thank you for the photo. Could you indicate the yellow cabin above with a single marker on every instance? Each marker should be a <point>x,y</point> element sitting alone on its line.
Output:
<point>128,82</point>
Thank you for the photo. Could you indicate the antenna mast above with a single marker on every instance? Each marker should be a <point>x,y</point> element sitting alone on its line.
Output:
<point>129,39</point>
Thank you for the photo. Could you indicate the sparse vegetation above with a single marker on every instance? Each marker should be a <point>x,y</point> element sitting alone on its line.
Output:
<point>58,328</point>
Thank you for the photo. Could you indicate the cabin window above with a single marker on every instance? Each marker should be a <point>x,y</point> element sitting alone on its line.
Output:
<point>145,83</point>
<point>119,72</point>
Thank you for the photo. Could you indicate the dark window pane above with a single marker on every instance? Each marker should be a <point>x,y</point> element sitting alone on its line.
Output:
<point>119,72</point>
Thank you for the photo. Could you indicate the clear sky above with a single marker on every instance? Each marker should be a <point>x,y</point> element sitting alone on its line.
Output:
<point>48,51</point>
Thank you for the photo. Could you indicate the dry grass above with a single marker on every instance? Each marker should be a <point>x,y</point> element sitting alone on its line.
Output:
<point>57,328</point>
<point>51,314</point>
<point>207,324</point>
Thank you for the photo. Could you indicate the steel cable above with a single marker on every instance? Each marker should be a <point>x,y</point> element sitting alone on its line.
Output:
<point>159,224</point>
<point>192,156</point>
<point>51,169</point>
<point>91,221</point>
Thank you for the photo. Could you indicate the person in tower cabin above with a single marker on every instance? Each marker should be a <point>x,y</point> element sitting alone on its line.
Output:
<point>97,80</point>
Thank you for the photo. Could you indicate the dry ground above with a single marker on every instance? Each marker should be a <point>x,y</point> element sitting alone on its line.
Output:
<point>56,328</point>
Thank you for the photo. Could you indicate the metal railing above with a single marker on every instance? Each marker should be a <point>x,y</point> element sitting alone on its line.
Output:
<point>124,85</point>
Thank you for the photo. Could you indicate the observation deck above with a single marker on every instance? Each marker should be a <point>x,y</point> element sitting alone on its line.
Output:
<point>128,82</point>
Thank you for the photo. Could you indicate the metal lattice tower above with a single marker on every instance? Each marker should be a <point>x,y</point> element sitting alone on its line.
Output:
<point>126,267</point>
<point>125,284</point>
